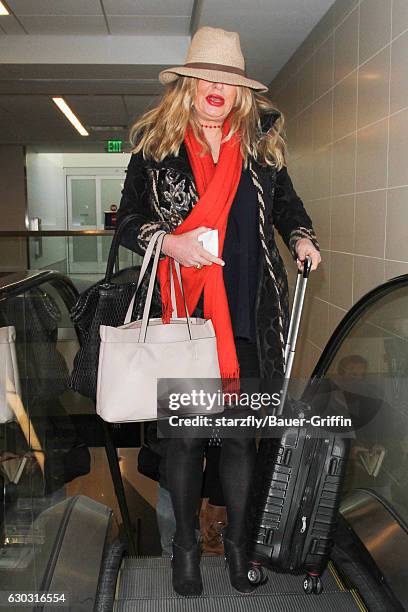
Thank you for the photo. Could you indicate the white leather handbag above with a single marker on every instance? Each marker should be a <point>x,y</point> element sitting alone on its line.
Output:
<point>9,378</point>
<point>11,405</point>
<point>135,355</point>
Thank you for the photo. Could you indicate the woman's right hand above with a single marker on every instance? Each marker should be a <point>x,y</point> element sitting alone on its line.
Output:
<point>187,250</point>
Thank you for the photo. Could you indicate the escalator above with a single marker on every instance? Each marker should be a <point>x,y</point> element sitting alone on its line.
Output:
<point>367,357</point>
<point>53,542</point>
<point>144,584</point>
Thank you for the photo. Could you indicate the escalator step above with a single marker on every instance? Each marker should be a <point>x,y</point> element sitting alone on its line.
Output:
<point>146,578</point>
<point>335,602</point>
<point>135,562</point>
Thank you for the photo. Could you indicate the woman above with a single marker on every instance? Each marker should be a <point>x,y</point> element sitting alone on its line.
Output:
<point>211,156</point>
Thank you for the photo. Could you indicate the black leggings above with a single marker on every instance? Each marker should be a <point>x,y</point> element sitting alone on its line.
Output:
<point>237,462</point>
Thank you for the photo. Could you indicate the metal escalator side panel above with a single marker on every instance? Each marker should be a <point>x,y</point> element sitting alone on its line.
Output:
<point>77,554</point>
<point>383,536</point>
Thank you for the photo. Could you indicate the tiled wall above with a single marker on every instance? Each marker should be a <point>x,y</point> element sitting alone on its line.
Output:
<point>345,97</point>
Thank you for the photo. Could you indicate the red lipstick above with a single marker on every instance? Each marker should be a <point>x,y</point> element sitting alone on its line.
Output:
<point>215,100</point>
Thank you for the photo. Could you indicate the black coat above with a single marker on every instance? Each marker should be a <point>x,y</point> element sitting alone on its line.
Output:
<point>163,193</point>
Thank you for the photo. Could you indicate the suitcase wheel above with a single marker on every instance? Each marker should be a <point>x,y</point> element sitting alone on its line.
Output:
<point>312,584</point>
<point>257,574</point>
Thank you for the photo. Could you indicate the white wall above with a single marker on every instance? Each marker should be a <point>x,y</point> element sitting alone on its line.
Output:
<point>46,194</point>
<point>96,160</point>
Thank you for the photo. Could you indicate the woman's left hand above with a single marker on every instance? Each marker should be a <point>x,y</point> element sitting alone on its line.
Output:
<point>305,248</point>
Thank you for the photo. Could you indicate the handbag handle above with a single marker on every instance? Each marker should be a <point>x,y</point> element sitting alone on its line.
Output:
<point>156,240</point>
<point>146,260</point>
<point>115,244</point>
<point>146,310</point>
<point>172,288</point>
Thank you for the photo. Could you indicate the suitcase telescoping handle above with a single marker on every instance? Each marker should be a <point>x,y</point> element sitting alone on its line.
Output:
<point>299,297</point>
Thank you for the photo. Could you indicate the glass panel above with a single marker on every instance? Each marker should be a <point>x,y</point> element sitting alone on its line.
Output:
<point>51,445</point>
<point>75,256</point>
<point>84,250</point>
<point>48,253</point>
<point>33,473</point>
<point>83,196</point>
<point>128,258</point>
<point>371,370</point>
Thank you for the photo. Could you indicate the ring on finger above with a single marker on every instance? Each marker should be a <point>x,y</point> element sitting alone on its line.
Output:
<point>198,266</point>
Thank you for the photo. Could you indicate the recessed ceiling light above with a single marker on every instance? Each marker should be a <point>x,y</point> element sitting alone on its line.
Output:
<point>107,128</point>
<point>3,9</point>
<point>64,108</point>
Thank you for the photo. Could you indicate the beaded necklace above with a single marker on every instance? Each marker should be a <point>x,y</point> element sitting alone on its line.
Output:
<point>204,125</point>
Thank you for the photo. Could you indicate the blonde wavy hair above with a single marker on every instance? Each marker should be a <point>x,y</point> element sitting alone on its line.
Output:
<point>160,131</point>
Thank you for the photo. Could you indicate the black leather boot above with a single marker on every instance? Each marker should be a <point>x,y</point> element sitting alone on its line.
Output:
<point>238,566</point>
<point>186,570</point>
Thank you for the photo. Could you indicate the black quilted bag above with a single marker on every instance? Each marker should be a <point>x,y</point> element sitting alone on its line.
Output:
<point>104,303</point>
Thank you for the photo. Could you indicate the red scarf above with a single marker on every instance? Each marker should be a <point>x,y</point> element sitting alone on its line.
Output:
<point>217,186</point>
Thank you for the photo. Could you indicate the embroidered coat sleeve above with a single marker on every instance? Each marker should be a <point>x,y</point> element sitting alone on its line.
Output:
<point>135,200</point>
<point>290,216</point>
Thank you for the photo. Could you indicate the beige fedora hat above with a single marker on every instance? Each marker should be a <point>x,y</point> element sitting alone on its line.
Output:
<point>214,55</point>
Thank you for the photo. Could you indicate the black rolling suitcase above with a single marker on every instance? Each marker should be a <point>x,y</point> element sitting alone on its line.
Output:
<point>297,487</point>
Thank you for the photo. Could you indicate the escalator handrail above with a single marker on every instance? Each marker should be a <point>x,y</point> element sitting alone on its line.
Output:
<point>69,292</point>
<point>33,280</point>
<point>387,505</point>
<point>348,322</point>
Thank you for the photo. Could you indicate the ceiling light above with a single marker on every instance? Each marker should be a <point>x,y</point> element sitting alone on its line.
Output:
<point>3,9</point>
<point>107,128</point>
<point>64,108</point>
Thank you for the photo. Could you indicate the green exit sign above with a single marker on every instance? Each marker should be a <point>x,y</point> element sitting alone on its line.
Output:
<point>114,146</point>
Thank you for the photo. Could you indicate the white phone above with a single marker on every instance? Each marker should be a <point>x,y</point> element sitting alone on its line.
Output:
<point>210,241</point>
